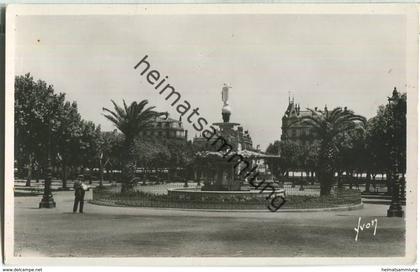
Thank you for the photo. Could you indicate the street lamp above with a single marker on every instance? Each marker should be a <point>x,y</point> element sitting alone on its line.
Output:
<point>395,209</point>
<point>101,170</point>
<point>47,200</point>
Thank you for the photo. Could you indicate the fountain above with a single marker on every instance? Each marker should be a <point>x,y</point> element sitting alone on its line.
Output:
<point>220,178</point>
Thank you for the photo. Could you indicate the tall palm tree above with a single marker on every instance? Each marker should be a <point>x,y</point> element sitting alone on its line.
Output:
<point>131,120</point>
<point>328,125</point>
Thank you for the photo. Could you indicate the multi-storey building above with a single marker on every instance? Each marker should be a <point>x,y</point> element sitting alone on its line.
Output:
<point>166,129</point>
<point>292,129</point>
<point>234,134</point>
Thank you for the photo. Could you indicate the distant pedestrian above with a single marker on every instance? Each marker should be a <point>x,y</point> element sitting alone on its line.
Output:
<point>79,194</point>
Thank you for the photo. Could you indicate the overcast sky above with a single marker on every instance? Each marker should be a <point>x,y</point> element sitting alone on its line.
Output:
<point>346,60</point>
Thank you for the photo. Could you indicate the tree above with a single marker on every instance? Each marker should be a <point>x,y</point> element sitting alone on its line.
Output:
<point>68,133</point>
<point>308,158</point>
<point>274,164</point>
<point>328,125</point>
<point>181,158</point>
<point>131,120</point>
<point>36,111</point>
<point>289,156</point>
<point>351,153</point>
<point>46,122</point>
<point>151,154</point>
<point>389,119</point>
<point>90,142</point>
<point>112,149</point>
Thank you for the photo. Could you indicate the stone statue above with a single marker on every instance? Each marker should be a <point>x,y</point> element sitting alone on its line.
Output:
<point>226,111</point>
<point>225,94</point>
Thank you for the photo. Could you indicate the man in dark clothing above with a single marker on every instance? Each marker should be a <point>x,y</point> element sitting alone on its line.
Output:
<point>79,194</point>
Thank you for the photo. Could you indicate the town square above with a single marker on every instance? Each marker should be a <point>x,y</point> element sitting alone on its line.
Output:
<point>202,196</point>
<point>237,134</point>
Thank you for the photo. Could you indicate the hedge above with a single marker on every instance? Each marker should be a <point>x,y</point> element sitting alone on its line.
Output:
<point>145,199</point>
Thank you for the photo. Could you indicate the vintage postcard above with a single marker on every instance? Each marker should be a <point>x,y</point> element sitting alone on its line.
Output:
<point>238,134</point>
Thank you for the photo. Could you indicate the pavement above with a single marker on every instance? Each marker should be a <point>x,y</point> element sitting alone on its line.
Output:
<point>151,232</point>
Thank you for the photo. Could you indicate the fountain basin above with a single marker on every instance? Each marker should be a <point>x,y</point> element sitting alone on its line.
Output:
<point>195,194</point>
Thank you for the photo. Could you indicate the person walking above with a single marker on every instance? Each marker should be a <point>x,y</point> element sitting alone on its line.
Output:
<point>79,194</point>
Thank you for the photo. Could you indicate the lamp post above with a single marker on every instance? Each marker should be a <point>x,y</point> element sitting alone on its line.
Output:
<point>395,209</point>
<point>101,170</point>
<point>47,200</point>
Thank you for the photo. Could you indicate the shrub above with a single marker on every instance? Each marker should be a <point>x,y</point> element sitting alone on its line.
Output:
<point>221,201</point>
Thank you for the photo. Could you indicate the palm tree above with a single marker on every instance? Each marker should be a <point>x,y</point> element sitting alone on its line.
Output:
<point>328,125</point>
<point>131,120</point>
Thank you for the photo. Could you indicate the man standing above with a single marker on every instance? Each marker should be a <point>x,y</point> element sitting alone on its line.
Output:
<point>79,194</point>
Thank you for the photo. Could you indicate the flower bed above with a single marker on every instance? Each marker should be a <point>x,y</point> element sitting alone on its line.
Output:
<point>240,201</point>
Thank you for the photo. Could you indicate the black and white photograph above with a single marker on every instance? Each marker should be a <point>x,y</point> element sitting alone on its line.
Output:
<point>211,134</point>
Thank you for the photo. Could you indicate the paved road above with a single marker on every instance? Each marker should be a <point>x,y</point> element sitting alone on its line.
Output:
<point>118,231</point>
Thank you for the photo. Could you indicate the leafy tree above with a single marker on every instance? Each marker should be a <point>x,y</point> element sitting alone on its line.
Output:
<point>389,121</point>
<point>351,153</point>
<point>46,122</point>
<point>328,125</point>
<point>68,137</point>
<point>111,148</point>
<point>181,157</point>
<point>274,164</point>
<point>131,120</point>
<point>90,142</point>
<point>308,158</point>
<point>289,156</point>
<point>36,107</point>
<point>151,153</point>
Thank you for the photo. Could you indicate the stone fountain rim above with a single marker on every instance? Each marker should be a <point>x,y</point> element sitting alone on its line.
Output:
<point>197,190</point>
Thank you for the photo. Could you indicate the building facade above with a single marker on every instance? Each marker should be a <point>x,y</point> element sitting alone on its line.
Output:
<point>234,134</point>
<point>168,128</point>
<point>293,130</point>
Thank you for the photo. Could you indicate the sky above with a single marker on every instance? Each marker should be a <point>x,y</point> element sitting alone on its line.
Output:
<point>333,60</point>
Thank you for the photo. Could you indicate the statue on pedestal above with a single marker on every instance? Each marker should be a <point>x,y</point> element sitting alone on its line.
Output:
<point>226,110</point>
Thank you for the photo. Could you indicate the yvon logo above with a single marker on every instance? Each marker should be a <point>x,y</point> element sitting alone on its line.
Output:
<point>364,226</point>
